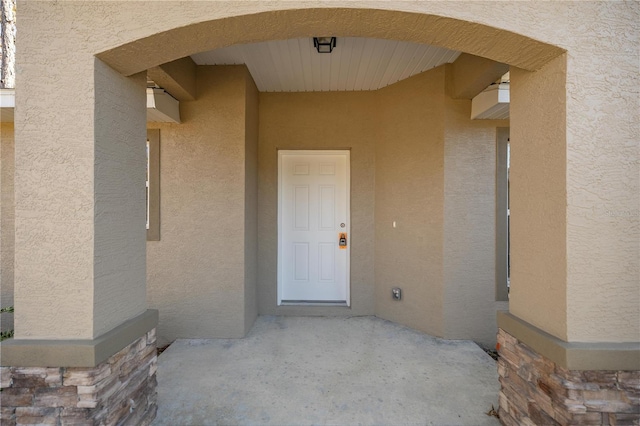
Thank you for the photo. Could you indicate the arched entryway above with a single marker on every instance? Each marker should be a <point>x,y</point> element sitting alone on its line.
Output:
<point>456,34</point>
<point>81,197</point>
<point>171,45</point>
<point>469,37</point>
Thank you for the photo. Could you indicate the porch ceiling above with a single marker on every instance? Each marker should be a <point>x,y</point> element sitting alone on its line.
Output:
<point>356,63</point>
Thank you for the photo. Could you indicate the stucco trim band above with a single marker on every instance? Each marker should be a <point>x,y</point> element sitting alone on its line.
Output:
<point>573,355</point>
<point>76,353</point>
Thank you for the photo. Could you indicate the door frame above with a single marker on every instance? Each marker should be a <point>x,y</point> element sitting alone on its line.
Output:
<point>280,266</point>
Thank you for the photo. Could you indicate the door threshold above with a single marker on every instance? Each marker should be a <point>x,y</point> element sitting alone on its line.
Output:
<point>340,303</point>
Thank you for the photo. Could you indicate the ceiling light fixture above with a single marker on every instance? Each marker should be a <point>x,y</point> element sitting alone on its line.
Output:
<point>324,44</point>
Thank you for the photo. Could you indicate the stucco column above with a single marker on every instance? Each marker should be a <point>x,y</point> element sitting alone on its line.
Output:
<point>538,197</point>
<point>80,243</point>
<point>569,346</point>
<point>80,234</point>
<point>574,201</point>
<point>81,323</point>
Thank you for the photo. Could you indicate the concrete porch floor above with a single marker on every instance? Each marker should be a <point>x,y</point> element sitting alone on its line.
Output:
<point>326,371</point>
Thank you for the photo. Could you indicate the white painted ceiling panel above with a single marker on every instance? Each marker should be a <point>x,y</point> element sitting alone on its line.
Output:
<point>355,64</point>
<point>497,112</point>
<point>492,103</point>
<point>7,105</point>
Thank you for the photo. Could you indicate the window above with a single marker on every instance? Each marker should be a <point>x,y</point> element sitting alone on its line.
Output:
<point>503,155</point>
<point>153,185</point>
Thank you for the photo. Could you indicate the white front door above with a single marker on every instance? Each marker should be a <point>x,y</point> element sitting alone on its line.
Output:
<point>313,214</point>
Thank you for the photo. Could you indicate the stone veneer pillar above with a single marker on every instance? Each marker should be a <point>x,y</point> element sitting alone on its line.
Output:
<point>120,390</point>
<point>537,391</point>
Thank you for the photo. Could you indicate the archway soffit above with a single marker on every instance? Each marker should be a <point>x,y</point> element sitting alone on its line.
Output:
<point>469,37</point>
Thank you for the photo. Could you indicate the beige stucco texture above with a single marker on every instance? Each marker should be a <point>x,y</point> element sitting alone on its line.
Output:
<point>7,211</point>
<point>398,138</point>
<point>575,187</point>
<point>435,179</point>
<point>409,192</point>
<point>469,281</point>
<point>538,194</point>
<point>250,203</point>
<point>332,120</point>
<point>603,176</point>
<point>79,158</point>
<point>200,275</point>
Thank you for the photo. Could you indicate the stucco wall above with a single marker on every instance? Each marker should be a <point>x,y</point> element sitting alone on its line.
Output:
<point>603,174</point>
<point>327,120</point>
<point>469,306</point>
<point>196,272</point>
<point>54,200</point>
<point>251,204</point>
<point>409,191</point>
<point>537,198</point>
<point>6,222</point>
<point>79,157</point>
<point>435,177</point>
<point>53,121</point>
<point>119,234</point>
<point>407,132</point>
<point>397,142</point>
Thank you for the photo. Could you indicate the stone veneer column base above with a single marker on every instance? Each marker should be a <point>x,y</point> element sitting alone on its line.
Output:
<point>537,391</point>
<point>120,390</point>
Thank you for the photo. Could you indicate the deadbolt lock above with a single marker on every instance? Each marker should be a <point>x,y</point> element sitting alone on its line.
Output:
<point>342,240</point>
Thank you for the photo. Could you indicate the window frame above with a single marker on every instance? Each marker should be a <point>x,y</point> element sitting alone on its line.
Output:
<point>153,185</point>
<point>502,214</point>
